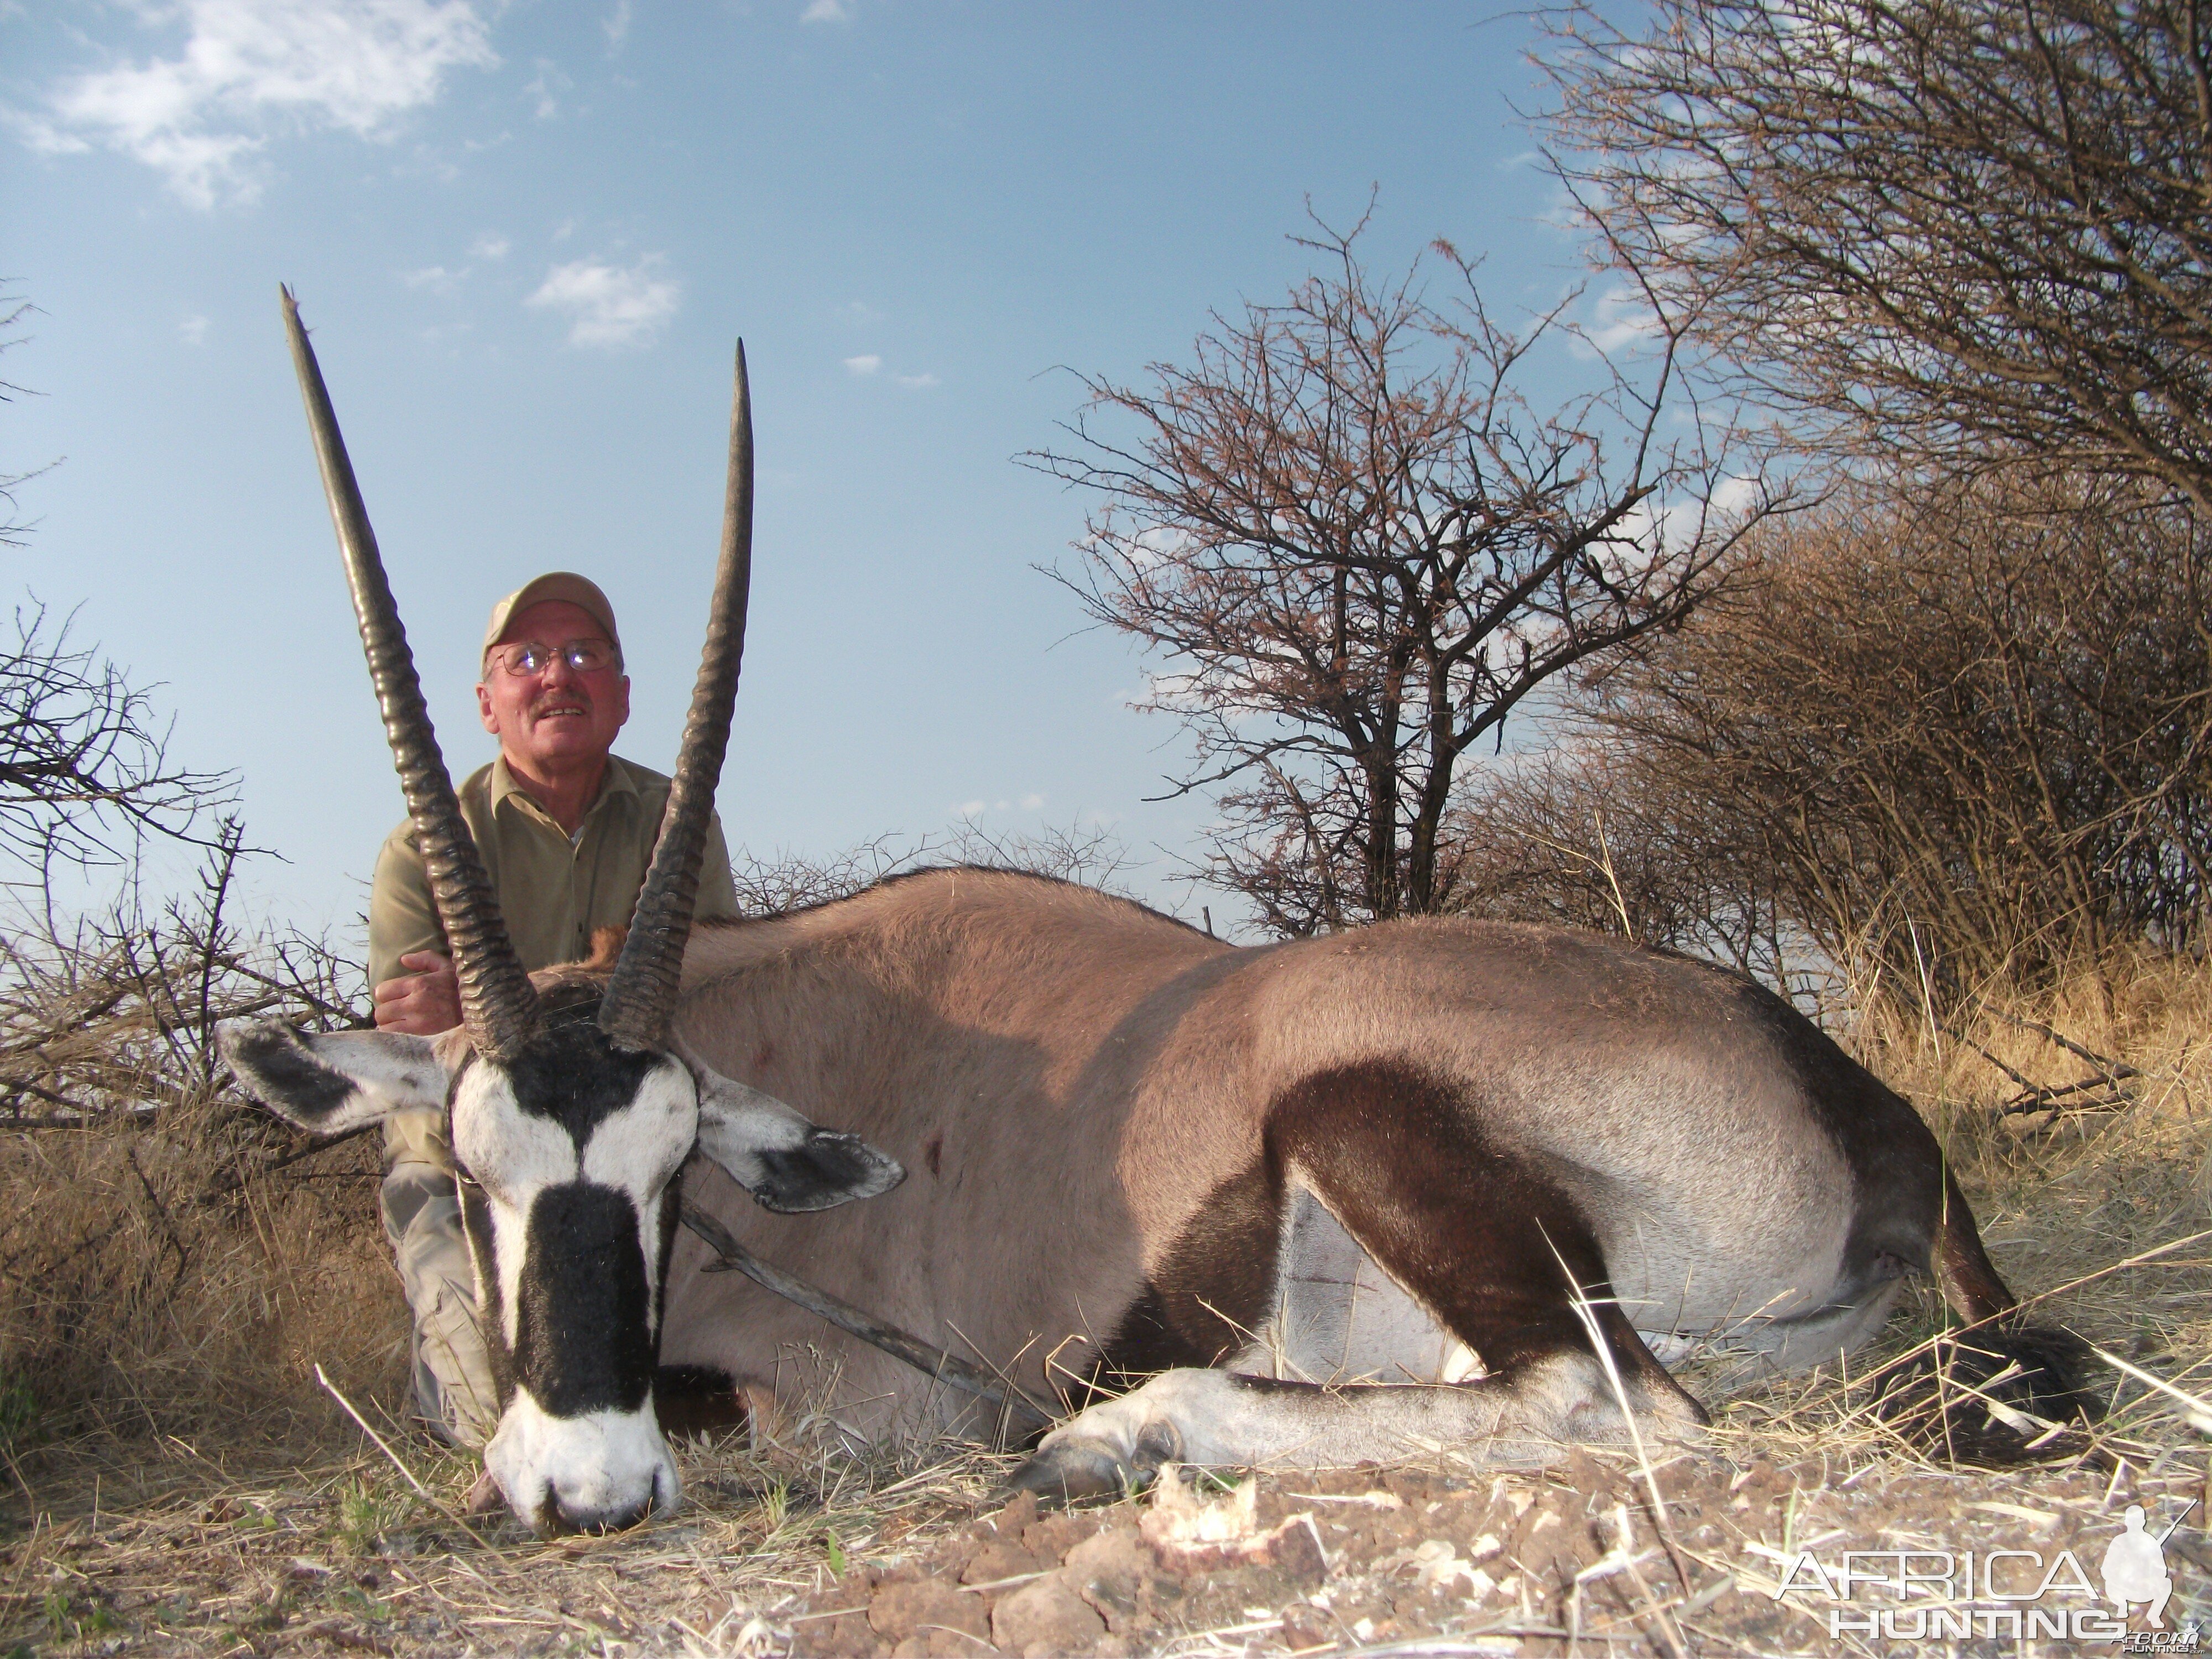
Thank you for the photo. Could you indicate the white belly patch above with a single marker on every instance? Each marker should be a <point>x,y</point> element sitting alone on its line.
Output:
<point>1337,1317</point>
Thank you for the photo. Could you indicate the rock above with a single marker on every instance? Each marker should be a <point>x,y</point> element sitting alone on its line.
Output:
<point>925,1608</point>
<point>1044,1619</point>
<point>1190,1535</point>
<point>1010,1522</point>
<point>845,1637</point>
<point>1001,1560</point>
<point>1108,1571</point>
<point>1294,1550</point>
<point>1305,1625</point>
<point>1052,1536</point>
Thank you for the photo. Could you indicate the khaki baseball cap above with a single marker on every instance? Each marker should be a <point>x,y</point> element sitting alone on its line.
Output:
<point>564,584</point>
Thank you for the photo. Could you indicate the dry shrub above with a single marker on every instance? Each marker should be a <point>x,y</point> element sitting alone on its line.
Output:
<point>173,1260</point>
<point>147,1282</point>
<point>1959,730</point>
<point>2078,1115</point>
<point>778,884</point>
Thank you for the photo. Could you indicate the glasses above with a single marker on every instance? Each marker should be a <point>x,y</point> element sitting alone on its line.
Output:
<point>534,657</point>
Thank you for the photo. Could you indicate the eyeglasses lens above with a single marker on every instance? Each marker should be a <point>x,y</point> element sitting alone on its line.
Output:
<point>583,656</point>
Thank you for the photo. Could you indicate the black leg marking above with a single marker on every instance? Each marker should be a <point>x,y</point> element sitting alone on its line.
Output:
<point>1210,1293</point>
<point>1491,1242</point>
<point>1483,1236</point>
<point>696,1399</point>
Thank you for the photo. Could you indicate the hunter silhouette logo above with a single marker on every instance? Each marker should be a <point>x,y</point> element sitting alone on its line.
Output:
<point>2135,1567</point>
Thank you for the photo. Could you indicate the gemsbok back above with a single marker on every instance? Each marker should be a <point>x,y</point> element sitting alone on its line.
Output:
<point>1425,1184</point>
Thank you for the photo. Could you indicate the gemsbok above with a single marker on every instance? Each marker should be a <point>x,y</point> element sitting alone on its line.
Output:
<point>1427,1183</point>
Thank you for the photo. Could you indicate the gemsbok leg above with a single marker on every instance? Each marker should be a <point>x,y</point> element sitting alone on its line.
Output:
<point>1481,1238</point>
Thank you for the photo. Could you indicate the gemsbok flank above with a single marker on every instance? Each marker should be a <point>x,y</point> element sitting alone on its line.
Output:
<point>1427,1183</point>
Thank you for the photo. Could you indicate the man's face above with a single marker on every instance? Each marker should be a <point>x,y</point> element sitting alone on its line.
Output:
<point>549,721</point>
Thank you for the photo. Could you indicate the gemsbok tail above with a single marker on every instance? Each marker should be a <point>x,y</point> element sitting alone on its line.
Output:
<point>1996,1389</point>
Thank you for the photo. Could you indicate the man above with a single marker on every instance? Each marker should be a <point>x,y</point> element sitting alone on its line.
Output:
<point>566,828</point>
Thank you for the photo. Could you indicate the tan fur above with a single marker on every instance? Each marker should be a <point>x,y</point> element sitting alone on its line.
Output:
<point>1088,1071</point>
<point>606,949</point>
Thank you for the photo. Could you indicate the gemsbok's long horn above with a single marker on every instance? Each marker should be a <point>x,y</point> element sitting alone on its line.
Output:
<point>641,993</point>
<point>499,1008</point>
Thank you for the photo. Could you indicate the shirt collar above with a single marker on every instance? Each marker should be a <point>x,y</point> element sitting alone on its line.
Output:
<point>615,781</point>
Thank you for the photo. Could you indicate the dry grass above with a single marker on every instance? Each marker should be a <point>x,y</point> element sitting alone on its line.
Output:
<point>197,1552</point>
<point>150,1289</point>
<point>187,1485</point>
<point>171,1258</point>
<point>2078,1121</point>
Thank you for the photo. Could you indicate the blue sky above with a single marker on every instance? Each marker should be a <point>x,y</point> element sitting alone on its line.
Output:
<point>526,237</point>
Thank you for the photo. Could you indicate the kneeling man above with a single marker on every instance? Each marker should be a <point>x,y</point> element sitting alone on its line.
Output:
<point>566,828</point>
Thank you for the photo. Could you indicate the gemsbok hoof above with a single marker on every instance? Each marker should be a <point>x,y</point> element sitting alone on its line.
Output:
<point>1081,1468</point>
<point>1076,1471</point>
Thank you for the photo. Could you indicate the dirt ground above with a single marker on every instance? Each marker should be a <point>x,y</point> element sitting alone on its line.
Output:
<point>778,1555</point>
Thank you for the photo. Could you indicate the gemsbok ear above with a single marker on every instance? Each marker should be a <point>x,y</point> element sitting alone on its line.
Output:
<point>787,1163</point>
<point>329,1085</point>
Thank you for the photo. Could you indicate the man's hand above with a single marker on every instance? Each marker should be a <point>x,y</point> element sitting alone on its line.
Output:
<point>425,1001</point>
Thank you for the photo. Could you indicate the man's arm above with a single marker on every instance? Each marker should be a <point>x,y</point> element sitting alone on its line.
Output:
<point>409,973</point>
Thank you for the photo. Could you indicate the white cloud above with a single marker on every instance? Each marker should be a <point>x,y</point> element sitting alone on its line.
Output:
<point>915,382</point>
<point>610,305</point>
<point>551,82</point>
<point>199,118</point>
<point>616,24</point>
<point>867,363</point>
<point>490,246</point>
<point>971,809</point>
<point>826,11</point>
<point>1620,316</point>
<point>1737,493</point>
<point>436,278</point>
<point>1031,803</point>
<point>193,331</point>
<point>1149,548</point>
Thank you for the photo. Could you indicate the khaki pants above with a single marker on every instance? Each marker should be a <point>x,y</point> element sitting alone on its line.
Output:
<point>452,1382</point>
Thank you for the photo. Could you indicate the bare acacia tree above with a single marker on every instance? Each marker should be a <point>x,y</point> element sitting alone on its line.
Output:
<point>1360,550</point>
<point>1962,228</point>
<point>15,312</point>
<point>84,769</point>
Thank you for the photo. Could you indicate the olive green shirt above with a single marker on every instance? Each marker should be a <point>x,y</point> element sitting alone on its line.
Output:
<point>552,891</point>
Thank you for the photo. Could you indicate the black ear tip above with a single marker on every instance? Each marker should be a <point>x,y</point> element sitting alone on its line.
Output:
<point>249,1041</point>
<point>861,1163</point>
